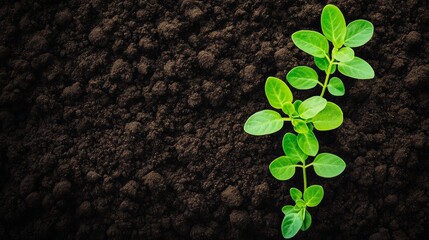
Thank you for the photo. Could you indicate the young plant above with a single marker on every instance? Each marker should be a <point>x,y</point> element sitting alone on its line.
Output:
<point>314,113</point>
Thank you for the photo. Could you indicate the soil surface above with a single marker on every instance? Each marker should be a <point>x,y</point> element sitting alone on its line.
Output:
<point>124,120</point>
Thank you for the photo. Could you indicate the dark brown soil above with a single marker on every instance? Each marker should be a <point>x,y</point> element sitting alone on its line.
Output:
<point>124,120</point>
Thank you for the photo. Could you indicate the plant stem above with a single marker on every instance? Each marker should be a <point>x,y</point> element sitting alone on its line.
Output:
<point>286,119</point>
<point>328,71</point>
<point>308,165</point>
<point>304,175</point>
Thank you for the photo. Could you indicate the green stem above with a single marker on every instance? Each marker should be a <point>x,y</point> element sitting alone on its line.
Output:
<point>328,71</point>
<point>308,165</point>
<point>287,119</point>
<point>304,175</point>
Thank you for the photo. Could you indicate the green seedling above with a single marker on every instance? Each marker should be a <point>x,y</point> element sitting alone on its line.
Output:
<point>314,113</point>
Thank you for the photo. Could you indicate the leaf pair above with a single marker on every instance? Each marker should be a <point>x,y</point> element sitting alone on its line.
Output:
<point>343,37</point>
<point>268,121</point>
<point>317,113</point>
<point>298,217</point>
<point>325,165</point>
<point>283,168</point>
<point>305,110</point>
<point>313,195</point>
<point>356,34</point>
<point>293,220</point>
<point>304,78</point>
<point>324,115</point>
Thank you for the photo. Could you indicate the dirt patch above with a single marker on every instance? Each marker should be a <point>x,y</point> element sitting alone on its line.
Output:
<point>125,120</point>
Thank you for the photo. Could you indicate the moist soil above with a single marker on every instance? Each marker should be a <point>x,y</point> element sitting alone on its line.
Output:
<point>124,120</point>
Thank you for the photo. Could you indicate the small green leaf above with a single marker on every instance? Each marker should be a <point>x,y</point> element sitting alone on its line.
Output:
<point>336,87</point>
<point>308,143</point>
<point>307,221</point>
<point>329,118</point>
<point>289,109</point>
<point>358,33</point>
<point>299,126</point>
<point>313,195</point>
<point>333,25</point>
<point>310,126</point>
<point>283,168</point>
<point>311,42</point>
<point>328,165</point>
<point>263,122</point>
<point>300,203</point>
<point>356,68</point>
<point>291,148</point>
<point>289,208</point>
<point>333,69</point>
<point>296,104</point>
<point>345,54</point>
<point>321,63</point>
<point>291,224</point>
<point>302,77</point>
<point>295,194</point>
<point>278,93</point>
<point>311,106</point>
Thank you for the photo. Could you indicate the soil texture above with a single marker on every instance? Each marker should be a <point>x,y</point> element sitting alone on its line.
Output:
<point>124,120</point>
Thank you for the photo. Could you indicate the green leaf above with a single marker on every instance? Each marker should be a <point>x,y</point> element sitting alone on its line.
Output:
<point>291,224</point>
<point>300,203</point>
<point>307,221</point>
<point>311,106</point>
<point>283,168</point>
<point>278,93</point>
<point>358,33</point>
<point>356,68</point>
<point>345,54</point>
<point>311,42</point>
<point>329,118</point>
<point>333,25</point>
<point>328,165</point>
<point>295,194</point>
<point>302,77</point>
<point>313,195</point>
<point>299,126</point>
<point>310,126</point>
<point>333,69</point>
<point>296,104</point>
<point>289,208</point>
<point>321,63</point>
<point>289,109</point>
<point>291,148</point>
<point>336,87</point>
<point>263,122</point>
<point>308,143</point>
